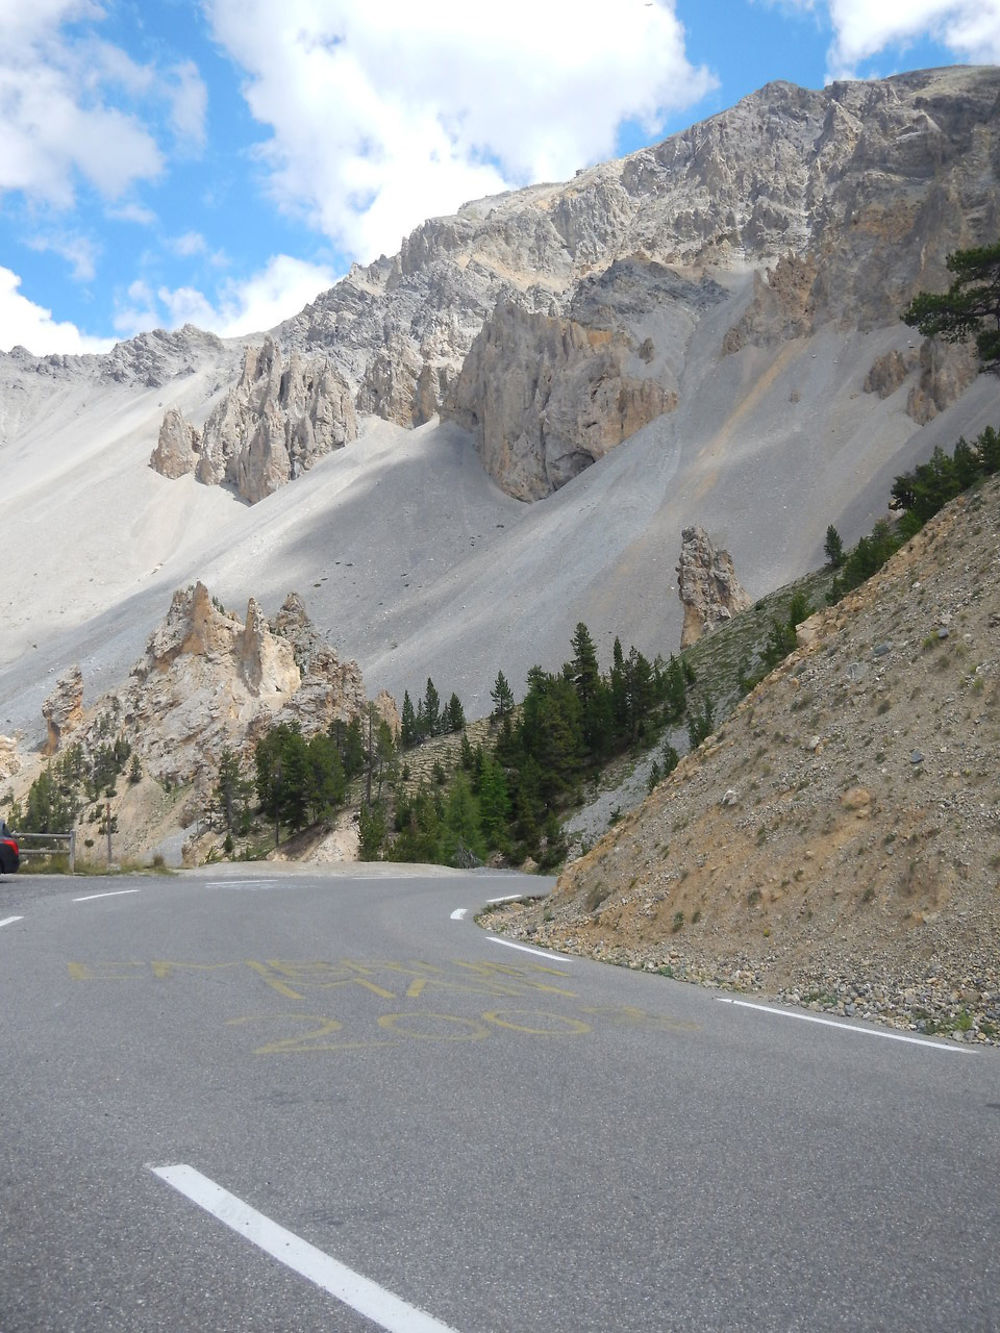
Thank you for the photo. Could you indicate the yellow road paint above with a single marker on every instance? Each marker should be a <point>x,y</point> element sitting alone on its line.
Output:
<point>298,980</point>
<point>313,1040</point>
<point>162,968</point>
<point>436,1027</point>
<point>323,975</point>
<point>538,1023</point>
<point>627,1015</point>
<point>105,971</point>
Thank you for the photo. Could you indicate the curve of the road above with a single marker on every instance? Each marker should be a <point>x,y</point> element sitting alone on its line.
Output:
<point>254,1099</point>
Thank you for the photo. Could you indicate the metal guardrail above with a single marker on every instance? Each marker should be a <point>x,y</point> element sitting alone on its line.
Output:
<point>68,838</point>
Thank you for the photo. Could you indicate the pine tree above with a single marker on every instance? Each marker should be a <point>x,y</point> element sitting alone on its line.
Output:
<point>833,548</point>
<point>675,690</point>
<point>326,785</point>
<point>586,673</point>
<point>407,723</point>
<point>969,308</point>
<point>494,803</point>
<point>231,790</point>
<point>454,714</point>
<point>462,841</point>
<point>372,831</point>
<point>432,709</point>
<point>503,699</point>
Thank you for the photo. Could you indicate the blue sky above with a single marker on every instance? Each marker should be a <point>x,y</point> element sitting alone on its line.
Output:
<point>223,161</point>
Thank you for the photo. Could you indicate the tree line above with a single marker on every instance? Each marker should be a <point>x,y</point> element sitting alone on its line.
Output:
<point>917,496</point>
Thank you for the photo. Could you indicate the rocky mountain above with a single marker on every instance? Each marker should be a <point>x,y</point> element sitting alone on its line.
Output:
<point>840,204</point>
<point>267,430</point>
<point>704,333</point>
<point>837,840</point>
<point>207,683</point>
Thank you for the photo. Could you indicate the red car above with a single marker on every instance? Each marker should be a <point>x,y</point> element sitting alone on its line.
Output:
<point>10,853</point>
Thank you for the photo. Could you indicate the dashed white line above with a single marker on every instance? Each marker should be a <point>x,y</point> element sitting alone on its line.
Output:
<point>526,948</point>
<point>849,1027</point>
<point>389,1312</point>
<point>459,914</point>
<point>9,920</point>
<point>112,893</point>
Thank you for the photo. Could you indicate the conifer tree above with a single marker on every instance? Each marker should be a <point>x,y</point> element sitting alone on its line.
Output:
<point>455,714</point>
<point>432,709</point>
<point>407,723</point>
<point>503,699</point>
<point>833,548</point>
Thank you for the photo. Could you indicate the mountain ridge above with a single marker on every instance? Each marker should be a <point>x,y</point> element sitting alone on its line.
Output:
<point>413,559</point>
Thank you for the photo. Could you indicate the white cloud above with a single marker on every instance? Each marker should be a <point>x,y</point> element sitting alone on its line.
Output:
<point>277,292</point>
<point>58,125</point>
<point>133,212</point>
<point>969,29</point>
<point>251,305</point>
<point>190,243</point>
<point>188,103</point>
<point>186,305</point>
<point>25,324</point>
<point>79,252</point>
<point>384,115</point>
<point>78,109</point>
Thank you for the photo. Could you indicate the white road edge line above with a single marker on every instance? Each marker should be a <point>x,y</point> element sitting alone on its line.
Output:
<point>361,1294</point>
<point>526,948</point>
<point>510,898</point>
<point>459,914</point>
<point>113,893</point>
<point>849,1027</point>
<point>238,883</point>
<point>9,920</point>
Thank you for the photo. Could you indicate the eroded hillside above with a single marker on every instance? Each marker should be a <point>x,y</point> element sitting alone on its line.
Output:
<point>838,839</point>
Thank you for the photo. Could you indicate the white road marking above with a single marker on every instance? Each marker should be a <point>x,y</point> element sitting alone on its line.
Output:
<point>241,883</point>
<point>9,920</point>
<point>850,1027</point>
<point>511,898</point>
<point>114,893</point>
<point>459,914</point>
<point>360,1293</point>
<point>526,948</point>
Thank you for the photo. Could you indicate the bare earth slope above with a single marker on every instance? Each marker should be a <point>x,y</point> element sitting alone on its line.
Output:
<point>745,276</point>
<point>839,838</point>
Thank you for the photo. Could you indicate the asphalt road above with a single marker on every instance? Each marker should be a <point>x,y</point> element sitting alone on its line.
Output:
<point>251,1100</point>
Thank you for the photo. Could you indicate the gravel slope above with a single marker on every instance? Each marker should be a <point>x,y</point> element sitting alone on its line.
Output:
<point>838,840</point>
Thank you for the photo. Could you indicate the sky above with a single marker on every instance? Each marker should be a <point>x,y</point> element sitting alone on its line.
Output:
<point>222,162</point>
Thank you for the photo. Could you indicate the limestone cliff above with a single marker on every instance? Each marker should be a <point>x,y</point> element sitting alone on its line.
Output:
<point>841,204</point>
<point>546,397</point>
<point>270,427</point>
<point>209,682</point>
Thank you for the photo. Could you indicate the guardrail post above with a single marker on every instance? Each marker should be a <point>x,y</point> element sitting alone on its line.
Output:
<point>72,851</point>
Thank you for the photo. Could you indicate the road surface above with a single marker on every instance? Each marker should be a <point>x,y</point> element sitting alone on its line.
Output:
<point>253,1099</point>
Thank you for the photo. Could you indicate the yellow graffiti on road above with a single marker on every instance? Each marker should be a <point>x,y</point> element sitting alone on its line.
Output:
<point>388,980</point>
<point>381,983</point>
<point>392,1029</point>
